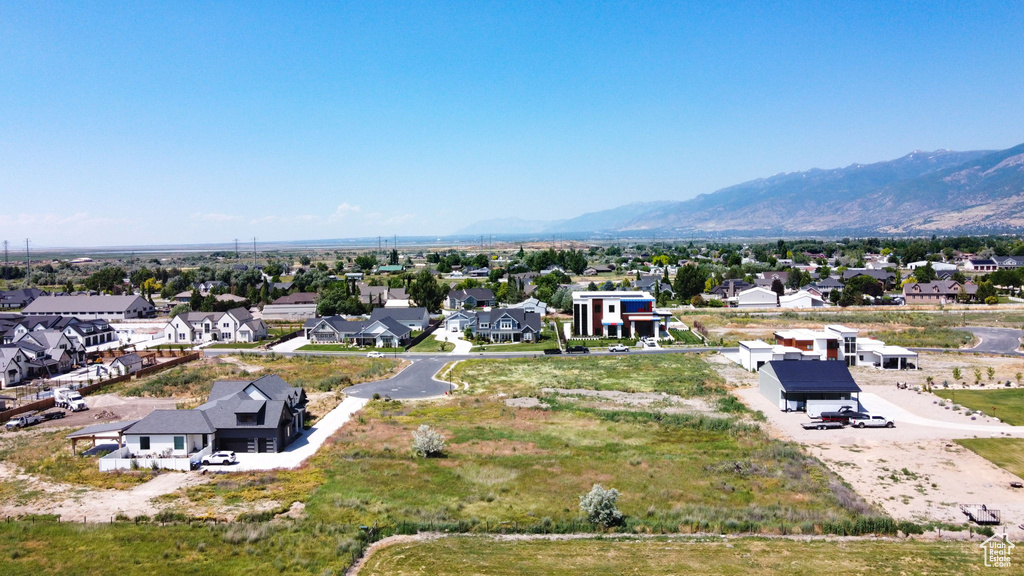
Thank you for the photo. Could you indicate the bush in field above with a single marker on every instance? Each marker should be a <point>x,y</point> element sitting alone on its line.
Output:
<point>599,506</point>
<point>427,442</point>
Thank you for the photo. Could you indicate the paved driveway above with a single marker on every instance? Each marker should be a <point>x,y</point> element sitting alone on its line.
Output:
<point>995,340</point>
<point>304,446</point>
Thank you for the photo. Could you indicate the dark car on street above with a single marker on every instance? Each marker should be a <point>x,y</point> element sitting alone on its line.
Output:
<point>577,350</point>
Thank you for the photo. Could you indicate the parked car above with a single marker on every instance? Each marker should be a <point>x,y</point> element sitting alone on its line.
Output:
<point>220,458</point>
<point>618,348</point>
<point>374,354</point>
<point>552,351</point>
<point>872,422</point>
<point>577,350</point>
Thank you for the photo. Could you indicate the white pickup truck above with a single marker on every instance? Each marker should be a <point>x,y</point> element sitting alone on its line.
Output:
<point>872,422</point>
<point>23,421</point>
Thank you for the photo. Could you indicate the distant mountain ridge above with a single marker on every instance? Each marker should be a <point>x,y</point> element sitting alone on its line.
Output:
<point>923,192</point>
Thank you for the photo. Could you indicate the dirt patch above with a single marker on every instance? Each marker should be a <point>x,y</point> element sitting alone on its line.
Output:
<point>250,368</point>
<point>525,402</point>
<point>78,504</point>
<point>111,408</point>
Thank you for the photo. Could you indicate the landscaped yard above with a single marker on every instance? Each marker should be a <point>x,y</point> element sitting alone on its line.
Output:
<point>685,336</point>
<point>238,345</point>
<point>1007,453</point>
<point>433,345</point>
<point>602,342</point>
<point>1007,404</point>
<point>345,348</point>
<point>457,556</point>
<point>547,340</point>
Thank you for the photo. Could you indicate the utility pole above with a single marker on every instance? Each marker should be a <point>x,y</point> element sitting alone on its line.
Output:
<point>28,264</point>
<point>236,248</point>
<point>254,252</point>
<point>7,261</point>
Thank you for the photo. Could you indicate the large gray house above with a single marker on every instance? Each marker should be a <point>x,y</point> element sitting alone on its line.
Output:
<point>502,324</point>
<point>262,415</point>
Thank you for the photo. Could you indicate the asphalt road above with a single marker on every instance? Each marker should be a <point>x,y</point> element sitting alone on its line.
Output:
<point>995,340</point>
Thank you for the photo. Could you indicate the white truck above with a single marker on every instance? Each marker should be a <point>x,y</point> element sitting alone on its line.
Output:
<point>23,420</point>
<point>69,399</point>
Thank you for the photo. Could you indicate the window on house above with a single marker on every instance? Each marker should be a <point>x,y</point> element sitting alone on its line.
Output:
<point>143,442</point>
<point>611,308</point>
<point>179,442</point>
<point>506,324</point>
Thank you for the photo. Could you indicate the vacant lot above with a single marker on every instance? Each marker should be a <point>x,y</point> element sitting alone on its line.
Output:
<point>896,326</point>
<point>742,557</point>
<point>314,373</point>
<point>1007,404</point>
<point>687,374</point>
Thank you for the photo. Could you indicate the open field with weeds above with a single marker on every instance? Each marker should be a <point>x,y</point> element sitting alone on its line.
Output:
<point>455,556</point>
<point>314,373</point>
<point>527,466</point>
<point>684,374</point>
<point>894,325</point>
<point>1007,404</point>
<point>1007,453</point>
<point>146,549</point>
<point>46,453</point>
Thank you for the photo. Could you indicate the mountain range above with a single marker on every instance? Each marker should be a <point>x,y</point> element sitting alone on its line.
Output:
<point>939,192</point>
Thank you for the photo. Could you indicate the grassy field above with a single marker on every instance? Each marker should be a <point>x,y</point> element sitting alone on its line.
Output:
<point>737,557</point>
<point>1007,453</point>
<point>1007,404</point>
<point>925,337</point>
<point>129,549</point>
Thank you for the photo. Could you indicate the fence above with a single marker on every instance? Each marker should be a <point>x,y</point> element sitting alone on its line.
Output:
<point>123,460</point>
<point>45,403</point>
<point>426,333</point>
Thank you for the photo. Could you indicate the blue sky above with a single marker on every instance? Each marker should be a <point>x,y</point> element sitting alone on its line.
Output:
<point>143,123</point>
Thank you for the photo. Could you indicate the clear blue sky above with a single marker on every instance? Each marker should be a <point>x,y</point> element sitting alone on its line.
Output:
<point>168,123</point>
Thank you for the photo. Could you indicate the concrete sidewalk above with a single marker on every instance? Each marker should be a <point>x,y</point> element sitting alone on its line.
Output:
<point>304,446</point>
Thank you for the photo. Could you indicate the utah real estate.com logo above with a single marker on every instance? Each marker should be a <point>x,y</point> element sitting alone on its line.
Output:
<point>997,551</point>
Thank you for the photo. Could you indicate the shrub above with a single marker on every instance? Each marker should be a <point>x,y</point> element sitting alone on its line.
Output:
<point>599,506</point>
<point>427,442</point>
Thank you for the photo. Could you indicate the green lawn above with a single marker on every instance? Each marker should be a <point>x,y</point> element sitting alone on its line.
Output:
<point>547,340</point>
<point>468,555</point>
<point>432,345</point>
<point>1007,404</point>
<point>237,345</point>
<point>344,348</point>
<point>685,336</point>
<point>1007,453</point>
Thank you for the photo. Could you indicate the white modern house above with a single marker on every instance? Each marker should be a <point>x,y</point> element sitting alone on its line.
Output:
<point>835,343</point>
<point>756,297</point>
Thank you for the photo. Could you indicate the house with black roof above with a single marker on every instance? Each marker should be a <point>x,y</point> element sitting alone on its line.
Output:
<point>262,415</point>
<point>470,298</point>
<point>789,385</point>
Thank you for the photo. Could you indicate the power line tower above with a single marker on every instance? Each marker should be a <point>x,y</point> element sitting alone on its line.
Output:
<point>28,264</point>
